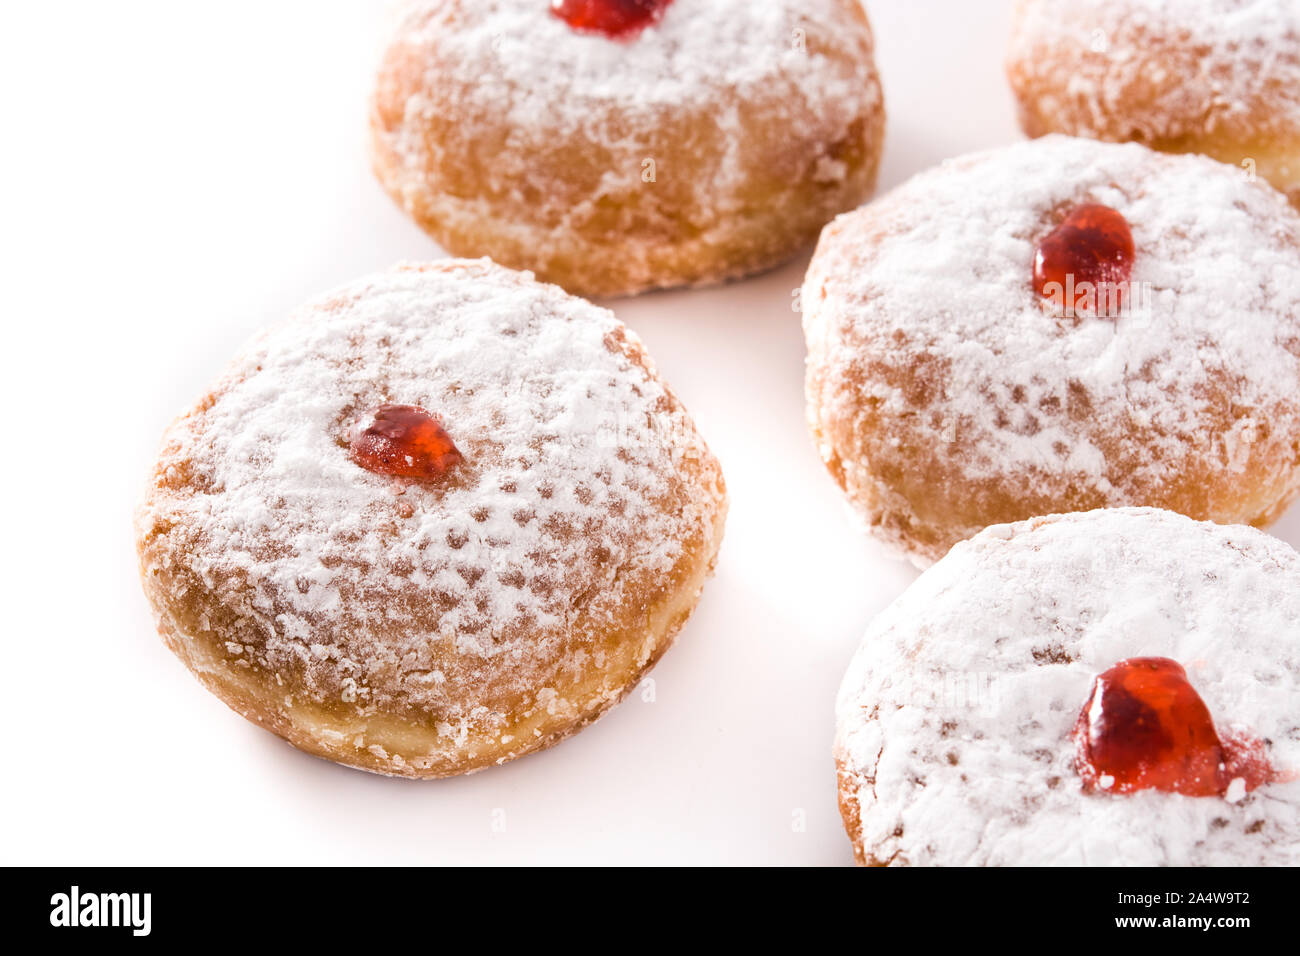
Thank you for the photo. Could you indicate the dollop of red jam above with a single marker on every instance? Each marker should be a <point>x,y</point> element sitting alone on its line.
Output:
<point>1145,727</point>
<point>614,18</point>
<point>404,441</point>
<point>1086,263</point>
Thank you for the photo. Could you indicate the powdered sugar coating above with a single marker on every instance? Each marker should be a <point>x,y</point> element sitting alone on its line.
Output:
<point>1196,67</point>
<point>715,142</point>
<point>517,60</point>
<point>954,718</point>
<point>583,484</point>
<point>930,354</point>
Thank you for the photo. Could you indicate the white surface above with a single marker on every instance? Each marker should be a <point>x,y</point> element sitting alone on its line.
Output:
<point>178,175</point>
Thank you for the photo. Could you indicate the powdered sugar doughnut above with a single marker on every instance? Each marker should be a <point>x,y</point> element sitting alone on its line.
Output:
<point>956,716</point>
<point>1220,77</point>
<point>946,394</point>
<point>711,141</point>
<point>431,627</point>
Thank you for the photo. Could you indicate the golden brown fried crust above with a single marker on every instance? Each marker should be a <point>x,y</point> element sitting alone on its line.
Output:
<point>894,481</point>
<point>850,811</point>
<point>199,626</point>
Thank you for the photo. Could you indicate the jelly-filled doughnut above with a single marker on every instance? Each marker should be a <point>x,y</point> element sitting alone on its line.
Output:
<point>1219,77</point>
<point>1057,326</point>
<point>1116,687</point>
<point>615,146</point>
<point>441,518</point>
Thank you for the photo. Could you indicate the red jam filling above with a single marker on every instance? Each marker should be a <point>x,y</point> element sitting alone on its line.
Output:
<point>404,441</point>
<point>1085,264</point>
<point>1145,727</point>
<point>614,18</point>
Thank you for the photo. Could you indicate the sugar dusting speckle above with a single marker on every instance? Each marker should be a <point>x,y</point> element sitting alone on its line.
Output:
<point>945,776</point>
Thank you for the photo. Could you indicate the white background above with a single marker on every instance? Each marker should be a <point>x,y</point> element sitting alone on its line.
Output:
<point>176,175</point>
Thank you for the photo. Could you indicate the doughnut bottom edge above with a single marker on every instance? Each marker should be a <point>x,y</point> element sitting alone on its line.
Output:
<point>391,746</point>
<point>777,226</point>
